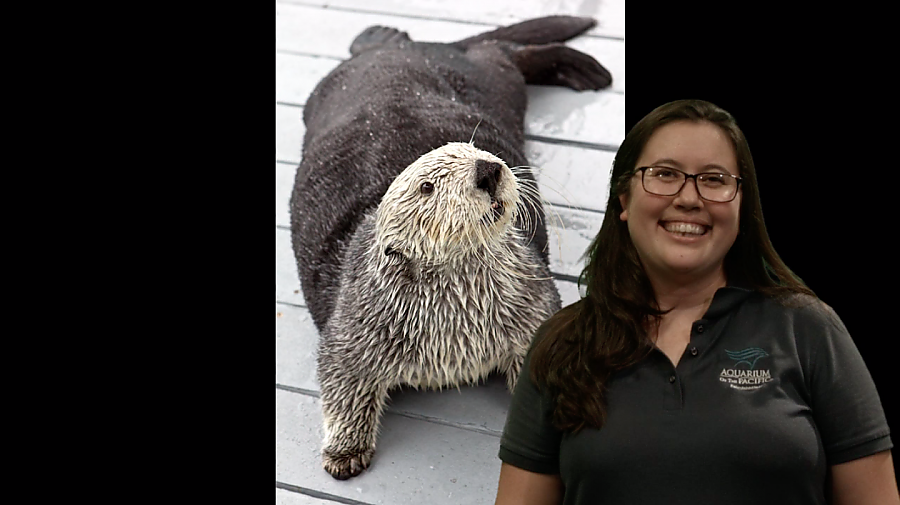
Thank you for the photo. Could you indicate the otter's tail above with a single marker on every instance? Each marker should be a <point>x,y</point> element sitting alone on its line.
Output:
<point>536,31</point>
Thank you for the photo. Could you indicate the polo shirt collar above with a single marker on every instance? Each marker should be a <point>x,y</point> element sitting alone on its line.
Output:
<point>726,299</point>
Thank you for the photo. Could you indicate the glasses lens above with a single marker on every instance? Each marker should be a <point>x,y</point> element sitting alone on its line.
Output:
<point>716,187</point>
<point>711,186</point>
<point>663,181</point>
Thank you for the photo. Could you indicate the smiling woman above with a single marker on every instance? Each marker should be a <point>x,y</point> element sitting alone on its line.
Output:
<point>681,237</point>
<point>697,366</point>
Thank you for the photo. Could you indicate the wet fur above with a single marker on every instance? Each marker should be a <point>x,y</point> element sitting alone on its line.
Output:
<point>423,289</point>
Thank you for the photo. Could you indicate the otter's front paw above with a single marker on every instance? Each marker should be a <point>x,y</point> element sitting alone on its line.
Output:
<point>345,464</point>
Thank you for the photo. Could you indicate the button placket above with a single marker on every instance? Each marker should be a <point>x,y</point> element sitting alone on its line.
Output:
<point>672,397</point>
<point>699,328</point>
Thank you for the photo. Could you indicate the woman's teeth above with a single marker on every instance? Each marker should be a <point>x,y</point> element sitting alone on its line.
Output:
<point>685,228</point>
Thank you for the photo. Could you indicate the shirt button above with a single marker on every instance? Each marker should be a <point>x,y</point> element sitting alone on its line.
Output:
<point>694,351</point>
<point>700,328</point>
<point>671,378</point>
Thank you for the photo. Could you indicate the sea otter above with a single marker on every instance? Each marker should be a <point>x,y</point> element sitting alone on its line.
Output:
<point>418,230</point>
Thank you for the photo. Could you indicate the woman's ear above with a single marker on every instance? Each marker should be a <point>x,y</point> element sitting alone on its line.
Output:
<point>623,201</point>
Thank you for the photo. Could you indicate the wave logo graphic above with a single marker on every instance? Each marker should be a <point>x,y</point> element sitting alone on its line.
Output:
<point>749,356</point>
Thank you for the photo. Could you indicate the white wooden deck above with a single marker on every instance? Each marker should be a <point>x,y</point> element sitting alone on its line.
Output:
<point>434,447</point>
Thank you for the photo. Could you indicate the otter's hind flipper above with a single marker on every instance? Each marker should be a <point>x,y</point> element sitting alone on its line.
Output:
<point>558,65</point>
<point>536,31</point>
<point>377,36</point>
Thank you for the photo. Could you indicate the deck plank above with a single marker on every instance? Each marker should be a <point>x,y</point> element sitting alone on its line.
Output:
<point>289,132</point>
<point>609,13</point>
<point>587,117</point>
<point>284,184</point>
<point>415,462</point>
<point>284,497</point>
<point>287,280</point>
<point>296,339</point>
<point>571,176</point>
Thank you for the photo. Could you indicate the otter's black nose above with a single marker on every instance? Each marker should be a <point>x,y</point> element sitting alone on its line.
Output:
<point>487,176</point>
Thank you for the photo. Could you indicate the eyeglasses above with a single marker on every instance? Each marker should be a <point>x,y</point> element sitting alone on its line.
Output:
<point>712,186</point>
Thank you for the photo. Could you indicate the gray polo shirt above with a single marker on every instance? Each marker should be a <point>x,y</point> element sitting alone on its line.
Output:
<point>765,398</point>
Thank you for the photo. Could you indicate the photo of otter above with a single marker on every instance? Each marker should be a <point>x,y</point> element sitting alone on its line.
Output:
<point>431,214</point>
<point>442,277</point>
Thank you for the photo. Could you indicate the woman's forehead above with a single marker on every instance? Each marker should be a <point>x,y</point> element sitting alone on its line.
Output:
<point>691,146</point>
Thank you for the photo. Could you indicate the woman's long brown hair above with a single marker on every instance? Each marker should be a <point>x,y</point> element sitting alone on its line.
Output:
<point>580,347</point>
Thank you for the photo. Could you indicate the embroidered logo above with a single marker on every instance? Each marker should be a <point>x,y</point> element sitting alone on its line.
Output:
<point>748,356</point>
<point>744,375</point>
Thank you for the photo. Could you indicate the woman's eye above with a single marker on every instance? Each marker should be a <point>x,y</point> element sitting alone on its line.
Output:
<point>427,188</point>
<point>664,173</point>
<point>713,180</point>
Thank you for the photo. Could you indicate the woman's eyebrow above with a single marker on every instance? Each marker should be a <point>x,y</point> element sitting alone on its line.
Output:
<point>710,166</point>
<point>714,166</point>
<point>669,161</point>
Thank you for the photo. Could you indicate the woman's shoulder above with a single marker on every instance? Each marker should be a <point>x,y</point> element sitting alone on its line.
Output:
<point>806,305</point>
<point>807,312</point>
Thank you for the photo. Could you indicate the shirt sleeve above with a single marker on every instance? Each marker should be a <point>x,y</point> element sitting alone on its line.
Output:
<point>529,440</point>
<point>846,407</point>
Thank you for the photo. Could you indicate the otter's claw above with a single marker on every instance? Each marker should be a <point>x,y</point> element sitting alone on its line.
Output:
<point>346,464</point>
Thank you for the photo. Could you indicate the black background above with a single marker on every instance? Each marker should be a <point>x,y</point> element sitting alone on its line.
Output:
<point>813,99</point>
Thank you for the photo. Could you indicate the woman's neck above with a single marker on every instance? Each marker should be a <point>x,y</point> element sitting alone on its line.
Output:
<point>693,295</point>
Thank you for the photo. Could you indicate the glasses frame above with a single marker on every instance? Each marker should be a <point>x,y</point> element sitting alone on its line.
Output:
<point>687,176</point>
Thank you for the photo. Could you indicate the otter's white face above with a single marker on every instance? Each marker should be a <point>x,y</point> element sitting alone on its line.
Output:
<point>452,201</point>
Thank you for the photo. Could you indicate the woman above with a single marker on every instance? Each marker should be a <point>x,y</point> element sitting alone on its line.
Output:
<point>697,368</point>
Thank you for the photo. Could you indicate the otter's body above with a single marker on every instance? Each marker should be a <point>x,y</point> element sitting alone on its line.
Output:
<point>423,258</point>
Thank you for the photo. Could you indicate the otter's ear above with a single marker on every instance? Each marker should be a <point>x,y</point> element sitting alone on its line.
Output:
<point>397,260</point>
<point>394,254</point>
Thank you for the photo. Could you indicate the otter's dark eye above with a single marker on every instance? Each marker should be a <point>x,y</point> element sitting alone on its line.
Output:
<point>427,188</point>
